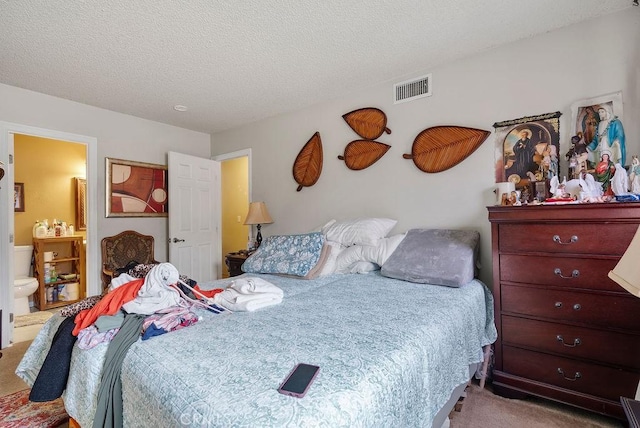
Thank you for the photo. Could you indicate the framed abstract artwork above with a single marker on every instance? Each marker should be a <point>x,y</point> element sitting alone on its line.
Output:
<point>136,189</point>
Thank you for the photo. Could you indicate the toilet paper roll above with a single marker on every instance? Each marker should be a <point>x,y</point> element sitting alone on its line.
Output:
<point>505,187</point>
<point>48,256</point>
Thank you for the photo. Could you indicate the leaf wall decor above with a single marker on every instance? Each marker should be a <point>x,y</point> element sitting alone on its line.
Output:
<point>369,123</point>
<point>361,154</point>
<point>439,148</point>
<point>308,164</point>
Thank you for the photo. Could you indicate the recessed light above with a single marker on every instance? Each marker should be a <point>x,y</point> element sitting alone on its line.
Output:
<point>179,107</point>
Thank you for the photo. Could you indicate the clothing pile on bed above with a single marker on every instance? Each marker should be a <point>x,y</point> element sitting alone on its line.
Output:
<point>153,302</point>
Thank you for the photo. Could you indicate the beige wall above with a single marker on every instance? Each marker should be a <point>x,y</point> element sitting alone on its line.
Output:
<point>47,168</point>
<point>118,135</point>
<point>235,205</point>
<point>543,74</point>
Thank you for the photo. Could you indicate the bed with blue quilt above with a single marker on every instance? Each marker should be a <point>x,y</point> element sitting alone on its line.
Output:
<point>390,352</point>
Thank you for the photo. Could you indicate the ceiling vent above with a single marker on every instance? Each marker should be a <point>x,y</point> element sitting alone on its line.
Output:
<point>413,89</point>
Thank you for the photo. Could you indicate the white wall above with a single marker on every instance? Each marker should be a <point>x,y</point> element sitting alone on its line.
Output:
<point>119,136</point>
<point>539,75</point>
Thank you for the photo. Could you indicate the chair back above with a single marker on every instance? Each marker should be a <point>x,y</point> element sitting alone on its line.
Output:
<point>123,248</point>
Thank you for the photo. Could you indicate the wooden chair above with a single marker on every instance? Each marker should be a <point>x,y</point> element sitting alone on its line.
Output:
<point>122,249</point>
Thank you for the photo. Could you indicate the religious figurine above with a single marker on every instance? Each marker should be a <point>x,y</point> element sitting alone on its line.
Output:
<point>605,169</point>
<point>620,181</point>
<point>634,175</point>
<point>609,137</point>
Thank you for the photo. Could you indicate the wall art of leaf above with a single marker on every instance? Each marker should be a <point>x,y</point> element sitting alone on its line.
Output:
<point>369,123</point>
<point>439,148</point>
<point>308,164</point>
<point>361,154</point>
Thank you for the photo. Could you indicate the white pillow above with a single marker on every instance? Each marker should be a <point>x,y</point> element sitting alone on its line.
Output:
<point>363,267</point>
<point>330,264</point>
<point>377,254</point>
<point>360,231</point>
<point>381,252</point>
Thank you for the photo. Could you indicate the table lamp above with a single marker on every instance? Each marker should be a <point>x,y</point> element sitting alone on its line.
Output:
<point>258,215</point>
<point>627,273</point>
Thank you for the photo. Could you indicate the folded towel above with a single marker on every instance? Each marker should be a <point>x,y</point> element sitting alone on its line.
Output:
<point>249,294</point>
<point>155,294</point>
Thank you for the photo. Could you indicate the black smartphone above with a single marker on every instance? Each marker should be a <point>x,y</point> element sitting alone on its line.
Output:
<point>297,383</point>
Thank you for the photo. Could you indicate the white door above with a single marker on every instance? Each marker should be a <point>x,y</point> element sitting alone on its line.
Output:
<point>194,216</point>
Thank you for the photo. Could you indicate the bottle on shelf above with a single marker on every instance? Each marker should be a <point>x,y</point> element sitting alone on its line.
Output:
<point>47,273</point>
<point>71,230</point>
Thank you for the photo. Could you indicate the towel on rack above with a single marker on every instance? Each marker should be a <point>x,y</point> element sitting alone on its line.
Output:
<point>249,294</point>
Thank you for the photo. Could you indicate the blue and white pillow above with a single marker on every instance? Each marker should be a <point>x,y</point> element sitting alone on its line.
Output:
<point>286,254</point>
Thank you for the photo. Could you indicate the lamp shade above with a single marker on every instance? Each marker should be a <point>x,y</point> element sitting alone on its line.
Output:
<point>627,271</point>
<point>258,214</point>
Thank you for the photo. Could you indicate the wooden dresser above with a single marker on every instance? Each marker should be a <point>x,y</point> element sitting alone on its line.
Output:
<point>566,332</point>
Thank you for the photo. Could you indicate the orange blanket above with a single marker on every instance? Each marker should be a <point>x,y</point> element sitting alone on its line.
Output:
<point>110,304</point>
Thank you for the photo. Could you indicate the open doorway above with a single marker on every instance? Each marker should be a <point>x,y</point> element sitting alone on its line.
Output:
<point>235,195</point>
<point>8,134</point>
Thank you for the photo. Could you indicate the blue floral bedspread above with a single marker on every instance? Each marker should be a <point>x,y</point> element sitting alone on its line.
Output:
<point>390,353</point>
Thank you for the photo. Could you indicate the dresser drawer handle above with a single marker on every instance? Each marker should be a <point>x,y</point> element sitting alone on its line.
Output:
<point>556,238</point>
<point>576,341</point>
<point>575,377</point>
<point>574,274</point>
<point>558,304</point>
<point>577,307</point>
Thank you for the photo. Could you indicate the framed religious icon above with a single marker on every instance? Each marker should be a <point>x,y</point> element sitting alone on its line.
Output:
<point>598,128</point>
<point>527,149</point>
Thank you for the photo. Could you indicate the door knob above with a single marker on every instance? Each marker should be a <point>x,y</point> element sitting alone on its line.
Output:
<point>177,240</point>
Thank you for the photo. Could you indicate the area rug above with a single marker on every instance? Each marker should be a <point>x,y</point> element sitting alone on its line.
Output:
<point>16,411</point>
<point>33,318</point>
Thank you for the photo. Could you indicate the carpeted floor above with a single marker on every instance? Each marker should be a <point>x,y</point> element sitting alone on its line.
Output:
<point>482,408</point>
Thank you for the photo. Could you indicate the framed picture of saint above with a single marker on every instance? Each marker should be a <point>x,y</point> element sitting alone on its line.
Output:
<point>527,149</point>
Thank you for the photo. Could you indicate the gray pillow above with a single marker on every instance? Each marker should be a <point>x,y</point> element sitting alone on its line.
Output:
<point>435,256</point>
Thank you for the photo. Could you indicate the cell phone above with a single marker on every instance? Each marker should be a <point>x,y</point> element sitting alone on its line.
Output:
<point>297,383</point>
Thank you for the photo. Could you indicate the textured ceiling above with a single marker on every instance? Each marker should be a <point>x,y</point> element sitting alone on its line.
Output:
<point>232,61</point>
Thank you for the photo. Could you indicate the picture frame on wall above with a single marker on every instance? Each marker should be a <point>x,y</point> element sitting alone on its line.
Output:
<point>527,150</point>
<point>81,203</point>
<point>587,115</point>
<point>18,197</point>
<point>136,189</point>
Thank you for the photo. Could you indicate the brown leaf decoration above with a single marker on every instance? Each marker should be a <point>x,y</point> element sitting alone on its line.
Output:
<point>369,123</point>
<point>442,147</point>
<point>361,154</point>
<point>308,165</point>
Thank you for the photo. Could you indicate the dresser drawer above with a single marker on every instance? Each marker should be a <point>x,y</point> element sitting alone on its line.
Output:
<point>621,312</point>
<point>575,375</point>
<point>590,273</point>
<point>577,342</point>
<point>576,238</point>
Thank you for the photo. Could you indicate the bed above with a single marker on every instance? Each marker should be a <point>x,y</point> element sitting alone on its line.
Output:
<point>391,353</point>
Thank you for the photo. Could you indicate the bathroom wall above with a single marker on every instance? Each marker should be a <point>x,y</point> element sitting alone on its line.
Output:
<point>235,205</point>
<point>47,168</point>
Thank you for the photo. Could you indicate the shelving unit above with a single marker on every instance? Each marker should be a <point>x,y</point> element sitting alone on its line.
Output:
<point>70,259</point>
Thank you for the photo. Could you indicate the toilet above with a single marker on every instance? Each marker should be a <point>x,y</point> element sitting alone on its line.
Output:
<point>23,284</point>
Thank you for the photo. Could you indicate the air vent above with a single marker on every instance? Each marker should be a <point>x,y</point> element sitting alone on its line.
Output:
<point>413,89</point>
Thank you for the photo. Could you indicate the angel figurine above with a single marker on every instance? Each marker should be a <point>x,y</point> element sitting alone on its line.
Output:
<point>619,181</point>
<point>634,175</point>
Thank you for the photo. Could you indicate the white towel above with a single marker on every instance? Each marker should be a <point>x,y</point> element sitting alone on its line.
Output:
<point>249,294</point>
<point>155,294</point>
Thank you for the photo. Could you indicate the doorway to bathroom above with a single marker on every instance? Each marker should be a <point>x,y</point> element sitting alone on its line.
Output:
<point>47,172</point>
<point>8,133</point>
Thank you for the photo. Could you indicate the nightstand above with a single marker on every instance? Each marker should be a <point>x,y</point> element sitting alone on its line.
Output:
<point>234,262</point>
